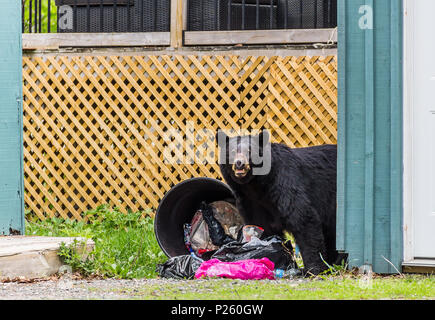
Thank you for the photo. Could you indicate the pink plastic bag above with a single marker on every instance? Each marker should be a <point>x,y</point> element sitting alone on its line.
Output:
<point>253,269</point>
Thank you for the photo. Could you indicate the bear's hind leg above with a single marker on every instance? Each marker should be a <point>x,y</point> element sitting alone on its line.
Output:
<point>311,243</point>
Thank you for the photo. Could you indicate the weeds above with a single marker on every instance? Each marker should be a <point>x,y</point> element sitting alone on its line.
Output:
<point>73,256</point>
<point>334,270</point>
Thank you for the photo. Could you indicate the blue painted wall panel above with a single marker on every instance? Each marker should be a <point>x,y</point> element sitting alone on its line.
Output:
<point>370,134</point>
<point>11,131</point>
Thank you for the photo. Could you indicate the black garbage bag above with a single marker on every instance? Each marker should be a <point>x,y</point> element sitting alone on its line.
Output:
<point>273,248</point>
<point>217,233</point>
<point>180,267</point>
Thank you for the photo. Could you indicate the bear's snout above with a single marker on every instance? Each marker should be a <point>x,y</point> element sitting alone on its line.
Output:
<point>241,165</point>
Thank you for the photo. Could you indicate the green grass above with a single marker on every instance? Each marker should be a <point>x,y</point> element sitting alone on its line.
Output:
<point>125,245</point>
<point>411,287</point>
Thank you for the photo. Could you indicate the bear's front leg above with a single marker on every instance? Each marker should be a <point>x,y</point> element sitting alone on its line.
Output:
<point>309,237</point>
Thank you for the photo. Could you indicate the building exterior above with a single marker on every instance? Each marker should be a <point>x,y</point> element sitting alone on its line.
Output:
<point>386,216</point>
<point>370,170</point>
<point>386,121</point>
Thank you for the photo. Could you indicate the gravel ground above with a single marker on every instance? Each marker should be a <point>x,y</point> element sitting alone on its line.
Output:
<point>67,288</point>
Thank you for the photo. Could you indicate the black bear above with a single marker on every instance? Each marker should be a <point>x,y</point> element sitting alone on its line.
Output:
<point>285,189</point>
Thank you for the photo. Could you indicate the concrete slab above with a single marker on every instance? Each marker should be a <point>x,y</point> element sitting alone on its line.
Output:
<point>32,256</point>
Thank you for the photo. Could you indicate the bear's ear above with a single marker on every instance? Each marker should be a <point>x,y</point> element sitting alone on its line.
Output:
<point>264,137</point>
<point>221,138</point>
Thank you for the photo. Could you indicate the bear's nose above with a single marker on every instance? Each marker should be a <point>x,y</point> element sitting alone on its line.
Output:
<point>239,164</point>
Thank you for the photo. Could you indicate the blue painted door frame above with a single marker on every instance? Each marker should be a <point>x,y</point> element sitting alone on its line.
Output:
<point>370,166</point>
<point>11,127</point>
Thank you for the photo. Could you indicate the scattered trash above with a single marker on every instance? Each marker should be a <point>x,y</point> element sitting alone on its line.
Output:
<point>272,247</point>
<point>288,274</point>
<point>225,225</point>
<point>187,231</point>
<point>249,232</point>
<point>200,236</point>
<point>217,233</point>
<point>255,269</point>
<point>221,246</point>
<point>181,267</point>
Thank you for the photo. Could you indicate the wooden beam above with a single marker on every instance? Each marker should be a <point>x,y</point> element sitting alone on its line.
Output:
<point>33,41</point>
<point>285,36</point>
<point>419,266</point>
<point>35,257</point>
<point>177,23</point>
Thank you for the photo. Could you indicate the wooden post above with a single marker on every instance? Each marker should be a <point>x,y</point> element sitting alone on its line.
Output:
<point>177,22</point>
<point>11,121</point>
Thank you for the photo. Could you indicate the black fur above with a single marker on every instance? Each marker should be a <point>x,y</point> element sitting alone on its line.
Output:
<point>298,195</point>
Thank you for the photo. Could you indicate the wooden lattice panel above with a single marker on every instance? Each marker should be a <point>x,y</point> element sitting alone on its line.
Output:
<point>302,106</point>
<point>254,90</point>
<point>97,129</point>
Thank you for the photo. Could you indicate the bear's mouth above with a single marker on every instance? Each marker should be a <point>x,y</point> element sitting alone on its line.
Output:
<point>241,173</point>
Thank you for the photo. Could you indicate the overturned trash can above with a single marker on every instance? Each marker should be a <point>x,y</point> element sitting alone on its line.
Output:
<point>179,206</point>
<point>197,222</point>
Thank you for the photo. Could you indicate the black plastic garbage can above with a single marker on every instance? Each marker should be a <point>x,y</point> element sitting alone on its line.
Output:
<point>178,207</point>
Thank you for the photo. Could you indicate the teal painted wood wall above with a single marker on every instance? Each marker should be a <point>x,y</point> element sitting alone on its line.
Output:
<point>369,221</point>
<point>11,132</point>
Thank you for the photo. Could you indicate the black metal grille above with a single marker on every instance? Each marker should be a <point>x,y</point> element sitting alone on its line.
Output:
<point>208,15</point>
<point>96,15</point>
<point>154,15</point>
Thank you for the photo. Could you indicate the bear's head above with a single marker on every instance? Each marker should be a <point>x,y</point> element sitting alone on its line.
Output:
<point>244,157</point>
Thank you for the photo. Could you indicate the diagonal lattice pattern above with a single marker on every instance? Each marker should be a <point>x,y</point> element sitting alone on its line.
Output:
<point>125,129</point>
<point>302,106</point>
